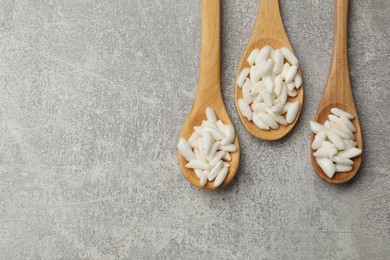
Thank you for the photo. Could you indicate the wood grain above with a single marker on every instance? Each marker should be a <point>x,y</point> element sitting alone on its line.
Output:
<point>268,30</point>
<point>338,92</point>
<point>209,89</point>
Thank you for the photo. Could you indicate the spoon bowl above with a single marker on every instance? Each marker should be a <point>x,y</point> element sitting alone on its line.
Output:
<point>268,30</point>
<point>339,177</point>
<point>195,118</point>
<point>338,93</point>
<point>209,92</point>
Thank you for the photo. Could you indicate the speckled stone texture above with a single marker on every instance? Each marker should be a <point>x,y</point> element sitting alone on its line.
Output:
<point>93,95</point>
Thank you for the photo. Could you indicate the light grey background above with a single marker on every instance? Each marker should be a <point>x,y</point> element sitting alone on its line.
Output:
<point>93,95</point>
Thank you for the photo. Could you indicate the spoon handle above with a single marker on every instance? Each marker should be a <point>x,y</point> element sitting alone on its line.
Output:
<point>269,23</point>
<point>210,49</point>
<point>338,91</point>
<point>339,66</point>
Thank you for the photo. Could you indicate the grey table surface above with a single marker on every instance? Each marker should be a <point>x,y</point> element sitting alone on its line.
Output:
<point>93,95</point>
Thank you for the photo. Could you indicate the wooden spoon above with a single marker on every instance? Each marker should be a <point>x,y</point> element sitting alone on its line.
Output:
<point>268,30</point>
<point>209,89</point>
<point>338,92</point>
